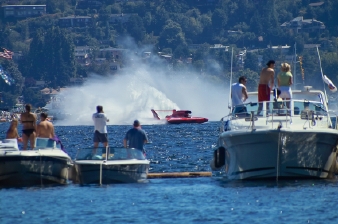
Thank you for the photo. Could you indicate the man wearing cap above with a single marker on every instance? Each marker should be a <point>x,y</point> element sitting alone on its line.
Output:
<point>136,137</point>
<point>100,127</point>
<point>266,83</point>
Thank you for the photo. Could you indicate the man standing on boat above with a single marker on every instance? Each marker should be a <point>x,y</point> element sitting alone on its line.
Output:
<point>45,128</point>
<point>266,83</point>
<point>136,137</point>
<point>239,94</point>
<point>100,127</point>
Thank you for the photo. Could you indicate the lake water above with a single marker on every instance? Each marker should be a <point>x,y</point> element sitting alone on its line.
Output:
<point>174,148</point>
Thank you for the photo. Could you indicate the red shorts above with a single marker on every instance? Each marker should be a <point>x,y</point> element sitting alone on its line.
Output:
<point>263,93</point>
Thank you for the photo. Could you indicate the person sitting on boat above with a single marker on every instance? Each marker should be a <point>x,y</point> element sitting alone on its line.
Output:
<point>239,95</point>
<point>12,131</point>
<point>100,127</point>
<point>136,137</point>
<point>285,82</point>
<point>28,120</point>
<point>45,129</point>
<point>266,78</point>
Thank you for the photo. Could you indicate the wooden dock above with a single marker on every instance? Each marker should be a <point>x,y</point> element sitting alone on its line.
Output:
<point>179,175</point>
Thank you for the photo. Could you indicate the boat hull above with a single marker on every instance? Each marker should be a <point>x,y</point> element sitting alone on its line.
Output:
<point>106,173</point>
<point>19,170</point>
<point>186,120</point>
<point>280,154</point>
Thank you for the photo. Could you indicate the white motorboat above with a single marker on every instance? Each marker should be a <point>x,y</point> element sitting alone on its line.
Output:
<point>280,143</point>
<point>110,165</point>
<point>47,163</point>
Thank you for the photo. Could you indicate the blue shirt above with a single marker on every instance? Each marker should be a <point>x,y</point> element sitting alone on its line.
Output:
<point>136,138</point>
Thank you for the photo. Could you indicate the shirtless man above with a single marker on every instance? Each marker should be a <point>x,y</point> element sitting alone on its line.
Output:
<point>45,129</point>
<point>264,90</point>
<point>28,120</point>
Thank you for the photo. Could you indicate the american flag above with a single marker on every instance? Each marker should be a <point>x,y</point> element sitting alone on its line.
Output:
<point>6,54</point>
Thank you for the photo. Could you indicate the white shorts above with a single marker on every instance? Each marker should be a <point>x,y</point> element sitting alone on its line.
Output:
<point>286,92</point>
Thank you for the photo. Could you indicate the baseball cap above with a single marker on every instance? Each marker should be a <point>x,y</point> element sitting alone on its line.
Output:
<point>136,123</point>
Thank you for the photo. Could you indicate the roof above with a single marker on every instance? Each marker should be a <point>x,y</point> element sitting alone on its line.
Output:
<point>112,49</point>
<point>316,4</point>
<point>24,5</point>
<point>76,17</point>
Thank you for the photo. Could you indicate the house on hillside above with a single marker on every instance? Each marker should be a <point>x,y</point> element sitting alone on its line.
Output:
<point>88,4</point>
<point>114,53</point>
<point>283,50</point>
<point>50,93</point>
<point>23,11</point>
<point>82,58</point>
<point>75,21</point>
<point>299,24</point>
<point>119,18</point>
<point>83,49</point>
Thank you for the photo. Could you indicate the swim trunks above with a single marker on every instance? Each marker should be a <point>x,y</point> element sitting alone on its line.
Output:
<point>100,137</point>
<point>263,93</point>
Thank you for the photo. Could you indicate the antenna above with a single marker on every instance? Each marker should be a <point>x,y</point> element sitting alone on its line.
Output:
<point>229,102</point>
<point>321,71</point>
<point>326,99</point>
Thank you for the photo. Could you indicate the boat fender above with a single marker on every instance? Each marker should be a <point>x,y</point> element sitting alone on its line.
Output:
<point>219,157</point>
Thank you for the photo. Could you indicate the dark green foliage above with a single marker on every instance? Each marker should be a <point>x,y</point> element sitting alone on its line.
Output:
<point>51,57</point>
<point>33,97</point>
<point>175,25</point>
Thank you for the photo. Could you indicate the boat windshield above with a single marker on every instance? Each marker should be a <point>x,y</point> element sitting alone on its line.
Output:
<point>44,143</point>
<point>109,153</point>
<point>280,107</point>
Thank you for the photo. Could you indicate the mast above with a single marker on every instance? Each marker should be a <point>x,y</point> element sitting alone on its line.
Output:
<point>294,68</point>
<point>230,103</point>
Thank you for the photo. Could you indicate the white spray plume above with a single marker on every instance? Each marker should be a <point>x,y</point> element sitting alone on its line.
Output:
<point>135,91</point>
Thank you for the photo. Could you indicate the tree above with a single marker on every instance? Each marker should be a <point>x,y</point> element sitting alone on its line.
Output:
<point>171,36</point>
<point>51,57</point>
<point>61,63</point>
<point>251,61</point>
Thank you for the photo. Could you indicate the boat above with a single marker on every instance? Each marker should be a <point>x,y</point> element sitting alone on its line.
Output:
<point>110,165</point>
<point>280,143</point>
<point>179,117</point>
<point>46,164</point>
<point>290,139</point>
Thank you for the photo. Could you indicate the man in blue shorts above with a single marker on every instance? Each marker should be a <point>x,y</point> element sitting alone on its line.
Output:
<point>136,137</point>
<point>100,127</point>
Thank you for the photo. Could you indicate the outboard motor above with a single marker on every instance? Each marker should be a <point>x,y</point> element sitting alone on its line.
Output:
<point>219,158</point>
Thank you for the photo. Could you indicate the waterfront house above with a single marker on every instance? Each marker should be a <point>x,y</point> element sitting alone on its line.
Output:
<point>75,21</point>
<point>23,11</point>
<point>299,24</point>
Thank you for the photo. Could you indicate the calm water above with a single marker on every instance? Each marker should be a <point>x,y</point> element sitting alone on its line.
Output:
<point>174,148</point>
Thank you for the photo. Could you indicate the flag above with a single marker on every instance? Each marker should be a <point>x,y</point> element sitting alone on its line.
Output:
<point>6,54</point>
<point>332,87</point>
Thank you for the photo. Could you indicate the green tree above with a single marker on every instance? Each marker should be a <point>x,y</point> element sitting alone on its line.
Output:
<point>61,62</point>
<point>251,61</point>
<point>171,36</point>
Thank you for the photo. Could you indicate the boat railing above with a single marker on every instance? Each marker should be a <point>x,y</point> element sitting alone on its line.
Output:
<point>109,154</point>
<point>274,112</point>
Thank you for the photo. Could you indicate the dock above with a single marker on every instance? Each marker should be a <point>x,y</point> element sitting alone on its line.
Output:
<point>179,175</point>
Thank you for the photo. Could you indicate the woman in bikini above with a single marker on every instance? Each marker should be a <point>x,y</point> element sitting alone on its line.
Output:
<point>28,120</point>
<point>12,131</point>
